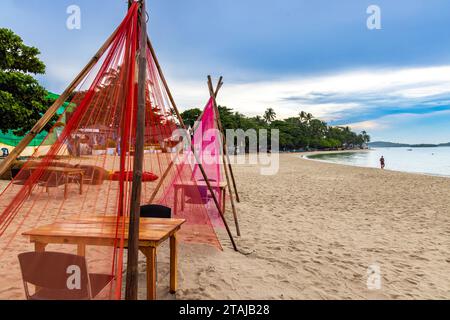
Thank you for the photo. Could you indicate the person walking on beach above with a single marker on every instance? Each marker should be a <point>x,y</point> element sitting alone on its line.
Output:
<point>382,162</point>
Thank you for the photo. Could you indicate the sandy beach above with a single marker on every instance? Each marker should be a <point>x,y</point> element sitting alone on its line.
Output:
<point>313,230</point>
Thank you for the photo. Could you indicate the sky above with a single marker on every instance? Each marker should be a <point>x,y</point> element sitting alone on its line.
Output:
<point>292,55</point>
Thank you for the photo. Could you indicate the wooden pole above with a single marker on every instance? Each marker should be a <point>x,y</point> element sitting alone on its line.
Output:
<point>172,100</point>
<point>39,126</point>
<point>218,87</point>
<point>136,188</point>
<point>225,147</point>
<point>216,111</point>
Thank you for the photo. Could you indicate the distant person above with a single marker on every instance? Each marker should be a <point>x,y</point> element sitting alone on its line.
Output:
<point>382,164</point>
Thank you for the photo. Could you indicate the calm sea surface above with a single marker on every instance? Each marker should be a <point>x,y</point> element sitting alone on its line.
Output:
<point>434,161</point>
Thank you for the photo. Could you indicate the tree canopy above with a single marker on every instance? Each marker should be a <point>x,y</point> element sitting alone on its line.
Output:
<point>22,100</point>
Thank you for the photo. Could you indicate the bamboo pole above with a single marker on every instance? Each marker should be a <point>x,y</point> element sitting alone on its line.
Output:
<point>172,100</point>
<point>218,87</point>
<point>225,148</point>
<point>216,111</point>
<point>39,126</point>
<point>136,188</point>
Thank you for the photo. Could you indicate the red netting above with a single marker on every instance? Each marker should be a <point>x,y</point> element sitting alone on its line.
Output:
<point>80,185</point>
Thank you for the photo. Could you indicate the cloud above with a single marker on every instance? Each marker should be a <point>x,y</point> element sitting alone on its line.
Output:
<point>60,75</point>
<point>430,127</point>
<point>348,97</point>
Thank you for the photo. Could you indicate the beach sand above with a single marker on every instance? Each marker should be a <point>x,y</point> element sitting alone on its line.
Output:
<point>313,230</point>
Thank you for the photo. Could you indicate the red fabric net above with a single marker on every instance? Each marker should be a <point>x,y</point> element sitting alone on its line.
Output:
<point>66,186</point>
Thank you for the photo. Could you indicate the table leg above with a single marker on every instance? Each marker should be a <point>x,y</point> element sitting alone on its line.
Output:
<point>81,183</point>
<point>183,196</point>
<point>175,202</point>
<point>173,263</point>
<point>224,197</point>
<point>39,247</point>
<point>81,250</point>
<point>66,186</point>
<point>150,254</point>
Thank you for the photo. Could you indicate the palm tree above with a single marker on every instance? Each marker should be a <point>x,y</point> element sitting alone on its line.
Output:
<point>305,117</point>
<point>269,115</point>
<point>302,116</point>
<point>365,136</point>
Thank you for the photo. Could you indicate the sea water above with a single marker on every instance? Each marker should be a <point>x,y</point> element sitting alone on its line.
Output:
<point>433,161</point>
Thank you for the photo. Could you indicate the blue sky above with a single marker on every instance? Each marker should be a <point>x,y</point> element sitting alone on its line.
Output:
<point>291,55</point>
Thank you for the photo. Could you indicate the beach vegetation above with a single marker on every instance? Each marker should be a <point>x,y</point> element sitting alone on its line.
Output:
<point>23,100</point>
<point>303,132</point>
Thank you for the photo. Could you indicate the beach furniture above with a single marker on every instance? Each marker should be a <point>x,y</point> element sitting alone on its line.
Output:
<point>128,94</point>
<point>48,272</point>
<point>102,231</point>
<point>54,177</point>
<point>197,193</point>
<point>92,175</point>
<point>156,211</point>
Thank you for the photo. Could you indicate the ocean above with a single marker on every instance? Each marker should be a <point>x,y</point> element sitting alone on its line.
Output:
<point>432,161</point>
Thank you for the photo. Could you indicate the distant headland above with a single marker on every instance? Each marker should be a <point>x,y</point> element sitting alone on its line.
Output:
<point>384,144</point>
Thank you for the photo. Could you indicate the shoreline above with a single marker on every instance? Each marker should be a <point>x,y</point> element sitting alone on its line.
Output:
<point>307,155</point>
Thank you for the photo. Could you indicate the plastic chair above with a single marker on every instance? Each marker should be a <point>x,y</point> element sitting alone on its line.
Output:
<point>51,272</point>
<point>156,211</point>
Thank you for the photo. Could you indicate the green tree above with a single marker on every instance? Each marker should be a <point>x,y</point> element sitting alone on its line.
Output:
<point>301,132</point>
<point>22,100</point>
<point>190,116</point>
<point>269,115</point>
<point>365,136</point>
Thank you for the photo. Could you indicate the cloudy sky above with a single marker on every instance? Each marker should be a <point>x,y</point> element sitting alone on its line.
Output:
<point>291,55</point>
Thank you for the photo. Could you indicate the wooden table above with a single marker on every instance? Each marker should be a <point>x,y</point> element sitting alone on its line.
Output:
<point>67,172</point>
<point>101,231</point>
<point>182,186</point>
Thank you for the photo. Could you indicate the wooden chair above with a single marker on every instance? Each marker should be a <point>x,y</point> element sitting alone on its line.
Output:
<point>50,272</point>
<point>92,175</point>
<point>51,180</point>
